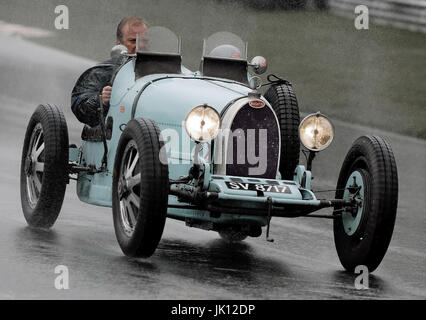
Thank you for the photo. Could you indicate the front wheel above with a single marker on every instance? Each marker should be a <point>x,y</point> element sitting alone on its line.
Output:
<point>44,166</point>
<point>284,102</point>
<point>369,175</point>
<point>140,188</point>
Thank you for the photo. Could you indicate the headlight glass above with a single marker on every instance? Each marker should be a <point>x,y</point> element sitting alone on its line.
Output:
<point>202,123</point>
<point>316,132</point>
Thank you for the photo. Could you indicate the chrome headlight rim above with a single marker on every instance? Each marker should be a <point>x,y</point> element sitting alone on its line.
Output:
<point>219,119</point>
<point>317,114</point>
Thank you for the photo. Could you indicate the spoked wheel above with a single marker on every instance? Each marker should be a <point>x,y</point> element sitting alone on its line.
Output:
<point>129,188</point>
<point>140,188</point>
<point>34,166</point>
<point>44,166</point>
<point>369,176</point>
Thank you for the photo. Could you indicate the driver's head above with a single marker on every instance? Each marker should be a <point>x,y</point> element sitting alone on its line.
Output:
<point>127,30</point>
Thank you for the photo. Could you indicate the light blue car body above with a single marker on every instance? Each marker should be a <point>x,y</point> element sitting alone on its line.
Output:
<point>167,99</point>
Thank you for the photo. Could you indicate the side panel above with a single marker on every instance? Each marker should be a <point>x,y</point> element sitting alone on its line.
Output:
<point>96,189</point>
<point>167,101</point>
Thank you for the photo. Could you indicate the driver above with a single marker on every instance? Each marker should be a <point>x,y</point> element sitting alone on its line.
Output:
<point>96,80</point>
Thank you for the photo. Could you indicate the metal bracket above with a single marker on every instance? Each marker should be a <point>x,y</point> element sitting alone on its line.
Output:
<point>275,80</point>
<point>269,199</point>
<point>101,116</point>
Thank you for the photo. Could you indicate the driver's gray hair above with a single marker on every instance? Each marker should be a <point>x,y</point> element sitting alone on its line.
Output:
<point>131,20</point>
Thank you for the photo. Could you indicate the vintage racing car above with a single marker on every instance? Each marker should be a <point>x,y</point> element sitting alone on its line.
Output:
<point>209,149</point>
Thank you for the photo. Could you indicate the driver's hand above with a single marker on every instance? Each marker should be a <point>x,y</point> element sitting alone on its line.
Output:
<point>106,94</point>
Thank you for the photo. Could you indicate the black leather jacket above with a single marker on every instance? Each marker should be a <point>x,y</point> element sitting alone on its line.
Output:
<point>85,100</point>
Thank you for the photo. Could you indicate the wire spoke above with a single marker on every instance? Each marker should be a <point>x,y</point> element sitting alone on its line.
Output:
<point>129,160</point>
<point>37,183</point>
<point>30,185</point>
<point>123,209</point>
<point>131,214</point>
<point>132,166</point>
<point>39,151</point>
<point>39,167</point>
<point>135,199</point>
<point>134,181</point>
<point>130,201</point>
<point>34,146</point>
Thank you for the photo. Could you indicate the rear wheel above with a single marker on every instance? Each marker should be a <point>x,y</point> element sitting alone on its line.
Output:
<point>369,174</point>
<point>284,102</point>
<point>44,166</point>
<point>140,188</point>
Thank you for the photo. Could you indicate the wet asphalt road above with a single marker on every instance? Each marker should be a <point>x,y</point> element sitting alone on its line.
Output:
<point>189,263</point>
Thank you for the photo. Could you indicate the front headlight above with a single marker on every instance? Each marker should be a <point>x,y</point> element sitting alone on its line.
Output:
<point>316,132</point>
<point>202,123</point>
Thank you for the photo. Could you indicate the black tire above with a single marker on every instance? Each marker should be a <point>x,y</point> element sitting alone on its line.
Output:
<point>284,102</point>
<point>44,173</point>
<point>373,158</point>
<point>140,237</point>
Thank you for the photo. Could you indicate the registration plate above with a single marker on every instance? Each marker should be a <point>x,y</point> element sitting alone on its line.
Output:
<point>258,187</point>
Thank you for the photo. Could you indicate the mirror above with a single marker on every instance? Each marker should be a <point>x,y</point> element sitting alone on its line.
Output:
<point>259,64</point>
